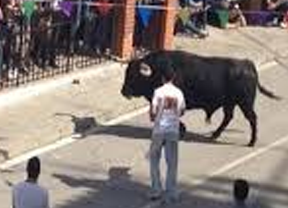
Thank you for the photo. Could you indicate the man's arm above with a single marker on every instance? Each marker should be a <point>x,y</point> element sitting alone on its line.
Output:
<point>182,105</point>
<point>152,113</point>
<point>154,107</point>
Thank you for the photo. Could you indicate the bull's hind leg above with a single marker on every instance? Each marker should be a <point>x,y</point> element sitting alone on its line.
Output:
<point>228,115</point>
<point>251,116</point>
<point>182,130</point>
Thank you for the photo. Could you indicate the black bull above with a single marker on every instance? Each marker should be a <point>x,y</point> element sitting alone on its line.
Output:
<point>208,83</point>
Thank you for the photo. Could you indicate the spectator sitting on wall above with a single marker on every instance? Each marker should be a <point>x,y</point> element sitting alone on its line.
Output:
<point>218,13</point>
<point>280,7</point>
<point>235,17</point>
<point>226,14</point>
<point>196,22</point>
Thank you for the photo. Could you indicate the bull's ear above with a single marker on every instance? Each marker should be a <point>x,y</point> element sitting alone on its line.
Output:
<point>145,70</point>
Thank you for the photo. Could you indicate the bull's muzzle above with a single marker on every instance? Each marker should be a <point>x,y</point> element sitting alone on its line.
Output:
<point>126,92</point>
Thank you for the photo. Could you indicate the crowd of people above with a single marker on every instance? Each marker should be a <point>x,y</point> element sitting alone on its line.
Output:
<point>279,9</point>
<point>229,14</point>
<point>23,35</point>
<point>37,33</point>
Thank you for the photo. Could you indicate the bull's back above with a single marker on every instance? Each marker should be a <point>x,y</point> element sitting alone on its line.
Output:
<point>208,81</point>
<point>203,78</point>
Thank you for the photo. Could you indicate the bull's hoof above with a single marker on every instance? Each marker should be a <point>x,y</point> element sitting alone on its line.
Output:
<point>182,131</point>
<point>251,144</point>
<point>214,136</point>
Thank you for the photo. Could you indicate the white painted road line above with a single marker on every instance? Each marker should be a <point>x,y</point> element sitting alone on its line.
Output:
<point>24,157</point>
<point>127,116</point>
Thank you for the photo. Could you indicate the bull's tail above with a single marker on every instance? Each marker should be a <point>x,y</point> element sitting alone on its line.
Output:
<point>261,88</point>
<point>268,93</point>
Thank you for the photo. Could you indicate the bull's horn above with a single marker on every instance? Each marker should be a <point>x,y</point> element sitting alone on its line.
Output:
<point>145,70</point>
<point>123,61</point>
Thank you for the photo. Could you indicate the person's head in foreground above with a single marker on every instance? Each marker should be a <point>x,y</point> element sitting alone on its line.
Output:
<point>241,190</point>
<point>33,169</point>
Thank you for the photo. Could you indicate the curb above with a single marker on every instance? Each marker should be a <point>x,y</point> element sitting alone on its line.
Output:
<point>33,89</point>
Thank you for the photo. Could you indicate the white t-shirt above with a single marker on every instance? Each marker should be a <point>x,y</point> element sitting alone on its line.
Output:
<point>29,195</point>
<point>167,104</point>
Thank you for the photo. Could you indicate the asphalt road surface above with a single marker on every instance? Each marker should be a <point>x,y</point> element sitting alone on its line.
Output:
<point>108,169</point>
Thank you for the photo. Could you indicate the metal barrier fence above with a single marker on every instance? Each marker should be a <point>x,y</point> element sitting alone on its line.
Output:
<point>53,45</point>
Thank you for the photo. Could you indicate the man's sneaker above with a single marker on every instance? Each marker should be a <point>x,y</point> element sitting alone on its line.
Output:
<point>154,195</point>
<point>172,197</point>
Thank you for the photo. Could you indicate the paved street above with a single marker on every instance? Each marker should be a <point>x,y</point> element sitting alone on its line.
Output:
<point>108,168</point>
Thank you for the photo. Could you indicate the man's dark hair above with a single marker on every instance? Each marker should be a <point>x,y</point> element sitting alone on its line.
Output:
<point>33,168</point>
<point>241,190</point>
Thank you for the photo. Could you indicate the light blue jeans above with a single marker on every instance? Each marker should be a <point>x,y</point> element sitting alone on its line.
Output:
<point>168,142</point>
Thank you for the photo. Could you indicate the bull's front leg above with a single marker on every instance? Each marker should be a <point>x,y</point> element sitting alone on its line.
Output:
<point>228,115</point>
<point>250,114</point>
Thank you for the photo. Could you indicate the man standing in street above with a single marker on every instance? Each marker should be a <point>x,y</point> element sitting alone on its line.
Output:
<point>167,107</point>
<point>29,193</point>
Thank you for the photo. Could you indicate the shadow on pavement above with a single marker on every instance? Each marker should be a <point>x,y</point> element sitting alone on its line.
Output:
<point>118,191</point>
<point>81,124</point>
<point>138,132</point>
<point>86,126</point>
<point>121,191</point>
<point>4,153</point>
